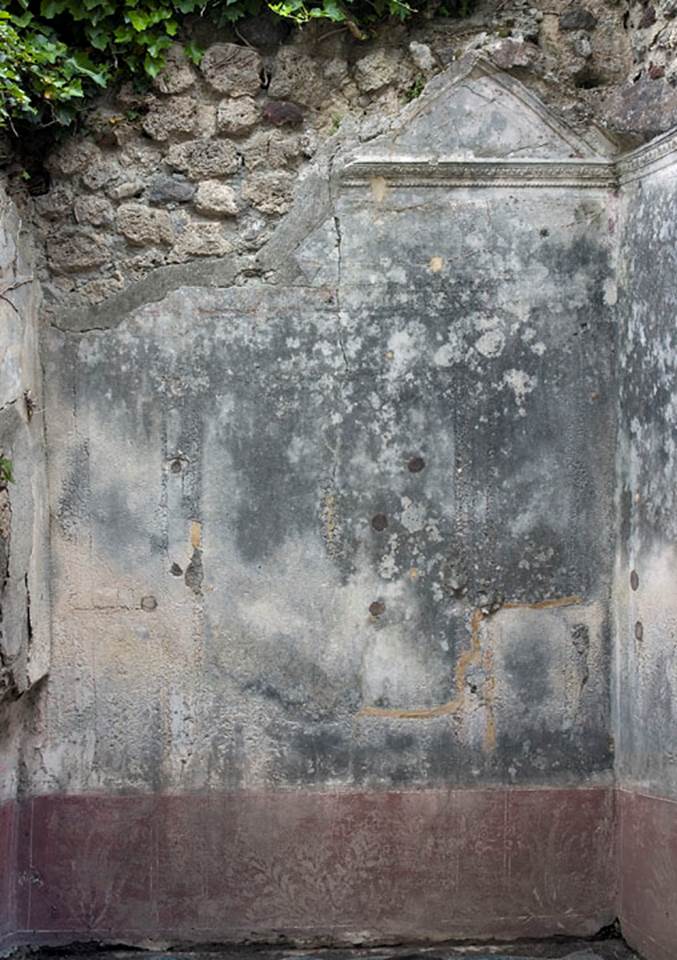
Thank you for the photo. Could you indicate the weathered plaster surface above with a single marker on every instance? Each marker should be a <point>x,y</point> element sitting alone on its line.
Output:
<point>321,532</point>
<point>647,465</point>
<point>24,604</point>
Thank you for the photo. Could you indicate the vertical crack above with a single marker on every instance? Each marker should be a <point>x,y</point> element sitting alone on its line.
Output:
<point>339,241</point>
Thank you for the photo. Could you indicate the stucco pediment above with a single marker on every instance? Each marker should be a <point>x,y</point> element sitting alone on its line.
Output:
<point>473,111</point>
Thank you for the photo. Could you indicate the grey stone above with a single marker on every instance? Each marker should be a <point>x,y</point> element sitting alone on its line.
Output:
<point>201,159</point>
<point>162,189</point>
<point>144,226</point>
<point>511,53</point>
<point>422,56</point>
<point>577,18</point>
<point>216,199</point>
<point>271,149</point>
<point>56,204</point>
<point>96,211</point>
<point>238,116</point>
<point>74,156</point>
<point>98,176</point>
<point>73,251</point>
<point>232,69</point>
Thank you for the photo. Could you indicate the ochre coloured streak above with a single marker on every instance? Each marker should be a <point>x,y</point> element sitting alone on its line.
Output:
<point>468,658</point>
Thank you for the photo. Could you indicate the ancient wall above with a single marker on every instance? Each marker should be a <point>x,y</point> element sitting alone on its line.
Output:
<point>332,549</point>
<point>24,610</point>
<point>646,684</point>
<point>332,375</point>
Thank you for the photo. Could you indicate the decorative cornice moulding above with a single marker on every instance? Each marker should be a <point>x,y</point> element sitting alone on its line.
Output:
<point>431,171</point>
<point>407,171</point>
<point>649,158</point>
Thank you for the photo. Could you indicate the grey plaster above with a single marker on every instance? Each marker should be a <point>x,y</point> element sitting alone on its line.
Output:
<point>348,522</point>
<point>646,683</point>
<point>24,601</point>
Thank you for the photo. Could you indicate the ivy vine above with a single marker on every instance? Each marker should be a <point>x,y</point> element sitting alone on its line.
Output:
<point>56,53</point>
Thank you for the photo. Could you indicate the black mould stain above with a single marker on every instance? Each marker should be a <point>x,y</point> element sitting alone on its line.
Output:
<point>194,572</point>
<point>379,521</point>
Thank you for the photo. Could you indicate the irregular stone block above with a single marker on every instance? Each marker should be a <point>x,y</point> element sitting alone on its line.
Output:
<point>236,116</point>
<point>169,117</point>
<point>96,211</point>
<point>216,199</point>
<point>645,108</point>
<point>232,69</point>
<point>177,74</point>
<point>269,192</point>
<point>143,226</point>
<point>70,251</point>
<point>170,190</point>
<point>201,240</point>
<point>577,18</point>
<point>283,113</point>
<point>296,76</point>
<point>201,159</point>
<point>377,69</point>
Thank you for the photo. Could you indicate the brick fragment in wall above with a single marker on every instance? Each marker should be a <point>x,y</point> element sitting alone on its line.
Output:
<point>283,113</point>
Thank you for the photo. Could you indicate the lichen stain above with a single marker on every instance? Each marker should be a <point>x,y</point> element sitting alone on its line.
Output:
<point>473,656</point>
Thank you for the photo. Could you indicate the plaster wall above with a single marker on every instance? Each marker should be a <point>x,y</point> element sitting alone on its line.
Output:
<point>646,679</point>
<point>332,547</point>
<point>24,603</point>
<point>331,552</point>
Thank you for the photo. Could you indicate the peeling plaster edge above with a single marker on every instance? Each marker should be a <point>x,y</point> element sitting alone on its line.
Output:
<point>210,272</point>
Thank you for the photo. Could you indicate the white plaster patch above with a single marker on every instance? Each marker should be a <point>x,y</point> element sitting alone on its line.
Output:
<point>491,343</point>
<point>413,515</point>
<point>521,385</point>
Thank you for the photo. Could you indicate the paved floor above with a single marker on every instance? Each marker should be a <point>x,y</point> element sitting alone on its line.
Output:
<point>553,950</point>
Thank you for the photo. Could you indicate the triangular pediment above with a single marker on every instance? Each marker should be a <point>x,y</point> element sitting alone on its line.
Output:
<point>475,112</point>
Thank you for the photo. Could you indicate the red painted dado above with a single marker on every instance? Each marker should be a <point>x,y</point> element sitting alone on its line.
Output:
<point>8,870</point>
<point>315,865</point>
<point>648,867</point>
